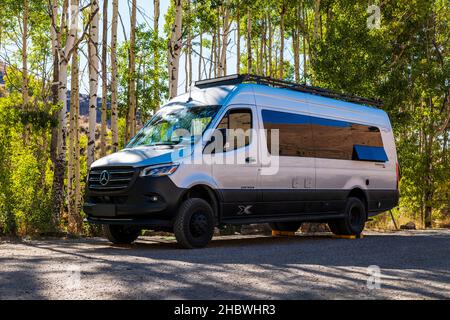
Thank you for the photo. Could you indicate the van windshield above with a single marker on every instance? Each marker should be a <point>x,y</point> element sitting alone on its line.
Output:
<point>175,124</point>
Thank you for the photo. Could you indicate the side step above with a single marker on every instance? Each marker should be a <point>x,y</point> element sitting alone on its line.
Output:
<point>341,236</point>
<point>283,233</point>
<point>276,233</point>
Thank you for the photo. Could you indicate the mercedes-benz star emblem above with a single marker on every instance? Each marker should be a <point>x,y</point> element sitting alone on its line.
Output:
<point>104,178</point>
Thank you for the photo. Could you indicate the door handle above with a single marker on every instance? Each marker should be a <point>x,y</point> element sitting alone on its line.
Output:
<point>250,160</point>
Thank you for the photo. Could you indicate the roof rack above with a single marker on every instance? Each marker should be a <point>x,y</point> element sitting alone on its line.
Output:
<point>277,83</point>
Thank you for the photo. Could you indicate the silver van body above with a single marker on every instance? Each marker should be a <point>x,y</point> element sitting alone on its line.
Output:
<point>303,187</point>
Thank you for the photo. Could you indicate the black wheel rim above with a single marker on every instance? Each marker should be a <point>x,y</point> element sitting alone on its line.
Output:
<point>198,225</point>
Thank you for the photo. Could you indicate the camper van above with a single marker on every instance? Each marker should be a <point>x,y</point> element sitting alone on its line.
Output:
<point>244,149</point>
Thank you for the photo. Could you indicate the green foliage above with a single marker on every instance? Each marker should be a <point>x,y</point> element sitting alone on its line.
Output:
<point>7,218</point>
<point>147,80</point>
<point>122,128</point>
<point>30,191</point>
<point>405,63</point>
<point>25,171</point>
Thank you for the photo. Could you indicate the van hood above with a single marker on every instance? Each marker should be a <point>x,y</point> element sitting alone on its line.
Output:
<point>143,156</point>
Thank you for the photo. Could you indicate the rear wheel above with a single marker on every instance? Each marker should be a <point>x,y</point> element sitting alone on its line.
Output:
<point>194,224</point>
<point>285,226</point>
<point>120,234</point>
<point>354,221</point>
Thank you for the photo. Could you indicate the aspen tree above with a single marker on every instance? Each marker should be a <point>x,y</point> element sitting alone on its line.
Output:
<point>156,13</point>
<point>25,97</point>
<point>282,30</point>
<point>175,45</point>
<point>93,61</point>
<point>114,75</point>
<point>131,123</point>
<point>225,32</point>
<point>103,131</point>
<point>249,40</point>
<point>238,38</point>
<point>73,177</point>
<point>63,52</point>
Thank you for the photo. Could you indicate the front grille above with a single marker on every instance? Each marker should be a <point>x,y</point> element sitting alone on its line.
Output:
<point>110,179</point>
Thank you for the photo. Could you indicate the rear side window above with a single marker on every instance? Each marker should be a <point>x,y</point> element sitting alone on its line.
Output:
<point>295,136</point>
<point>366,135</point>
<point>332,138</point>
<point>306,136</point>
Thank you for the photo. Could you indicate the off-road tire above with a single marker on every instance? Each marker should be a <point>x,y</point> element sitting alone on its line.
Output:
<point>121,234</point>
<point>354,221</point>
<point>194,224</point>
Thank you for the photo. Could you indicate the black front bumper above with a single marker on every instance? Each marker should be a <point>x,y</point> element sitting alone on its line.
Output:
<point>145,222</point>
<point>136,203</point>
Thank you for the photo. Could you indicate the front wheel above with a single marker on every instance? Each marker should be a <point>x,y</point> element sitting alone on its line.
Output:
<point>354,221</point>
<point>121,234</point>
<point>194,224</point>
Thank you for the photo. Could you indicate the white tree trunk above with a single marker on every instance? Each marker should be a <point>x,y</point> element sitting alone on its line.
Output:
<point>238,40</point>
<point>175,45</point>
<point>270,45</point>
<point>225,31</point>
<point>93,59</point>
<point>156,13</point>
<point>114,109</point>
<point>189,49</point>
<point>200,56</point>
<point>282,27</point>
<point>73,178</point>
<point>64,53</point>
<point>249,41</point>
<point>103,131</point>
<point>131,123</point>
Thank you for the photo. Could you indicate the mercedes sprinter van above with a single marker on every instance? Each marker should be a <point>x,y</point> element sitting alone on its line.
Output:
<point>245,149</point>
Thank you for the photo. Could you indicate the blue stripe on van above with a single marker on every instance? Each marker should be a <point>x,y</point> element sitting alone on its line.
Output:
<point>329,122</point>
<point>284,117</point>
<point>368,153</point>
<point>292,118</point>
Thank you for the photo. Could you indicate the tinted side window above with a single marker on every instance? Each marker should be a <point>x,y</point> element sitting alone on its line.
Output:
<point>305,136</point>
<point>237,123</point>
<point>332,138</point>
<point>335,139</point>
<point>295,136</point>
<point>366,135</point>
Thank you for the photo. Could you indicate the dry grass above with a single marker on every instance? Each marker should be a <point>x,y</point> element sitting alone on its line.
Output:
<point>443,223</point>
<point>384,221</point>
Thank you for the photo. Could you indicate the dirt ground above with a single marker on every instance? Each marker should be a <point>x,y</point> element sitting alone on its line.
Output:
<point>394,265</point>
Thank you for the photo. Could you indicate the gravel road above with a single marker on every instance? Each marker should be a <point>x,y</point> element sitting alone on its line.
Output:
<point>413,265</point>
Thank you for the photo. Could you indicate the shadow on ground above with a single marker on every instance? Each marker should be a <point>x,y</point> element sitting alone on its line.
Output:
<point>413,265</point>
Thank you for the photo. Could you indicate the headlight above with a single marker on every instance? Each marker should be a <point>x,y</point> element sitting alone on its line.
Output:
<point>159,170</point>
